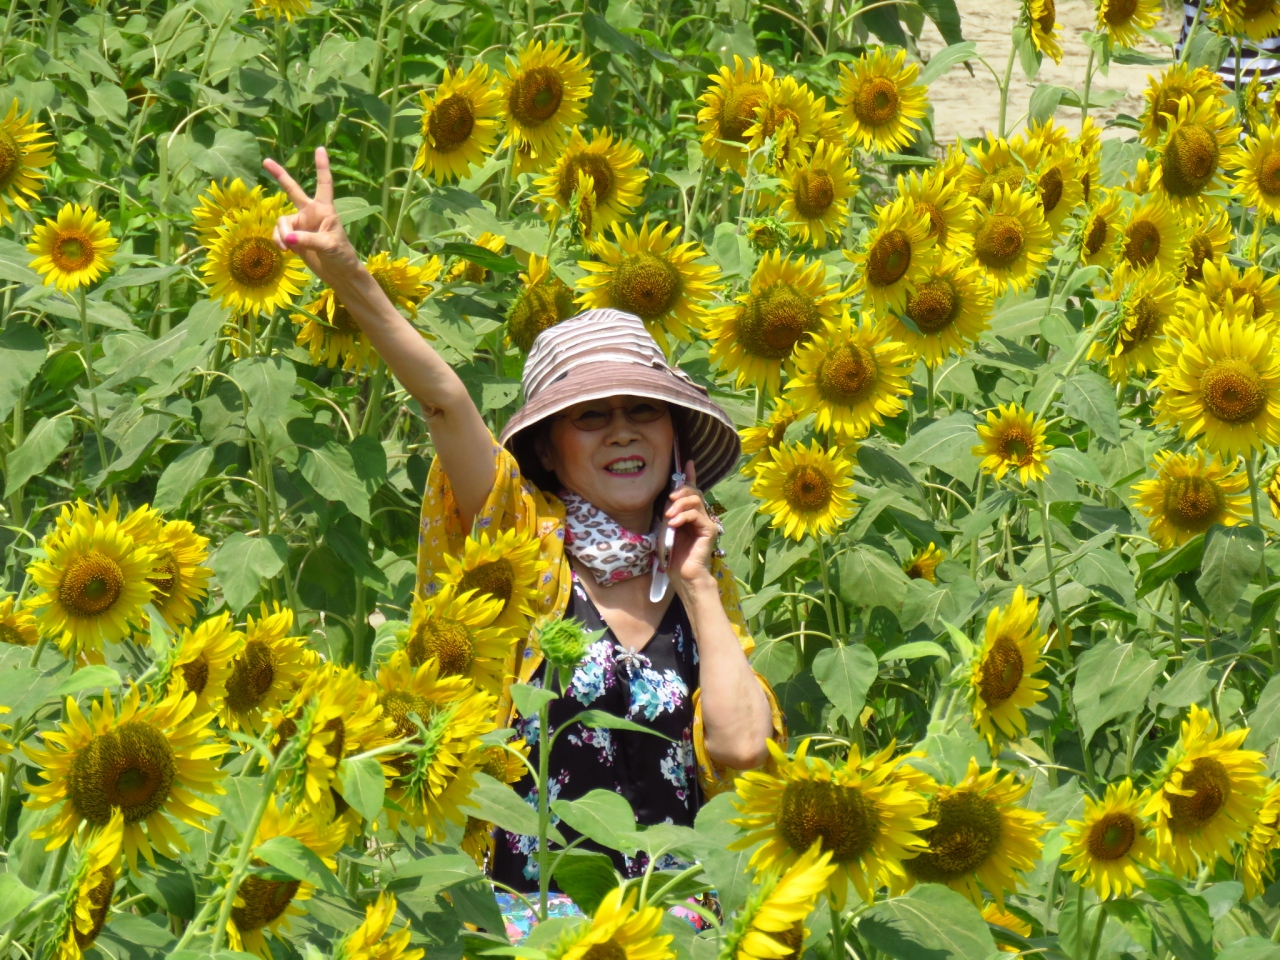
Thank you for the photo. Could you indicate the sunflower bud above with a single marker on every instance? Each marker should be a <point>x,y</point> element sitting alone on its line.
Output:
<point>563,643</point>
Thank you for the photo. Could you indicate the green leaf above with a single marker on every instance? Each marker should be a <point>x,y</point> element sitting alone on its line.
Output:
<point>845,674</point>
<point>363,785</point>
<point>1112,680</point>
<point>108,100</point>
<point>290,856</point>
<point>529,700</point>
<point>942,61</point>
<point>22,354</point>
<point>94,677</point>
<point>243,795</point>
<point>1189,685</point>
<point>775,660</point>
<point>602,816</point>
<point>332,472</point>
<point>14,898</point>
<point>1262,613</point>
<point>234,153</point>
<point>1090,398</point>
<point>481,257</point>
<point>586,877</point>
<point>1186,558</point>
<point>945,17</point>
<point>1077,464</point>
<point>1232,558</point>
<point>932,921</point>
<point>1250,948</point>
<point>602,719</point>
<point>15,264</point>
<point>1264,721</point>
<point>1184,926</point>
<point>181,476</point>
<point>869,578</point>
<point>942,442</point>
<point>916,650</point>
<point>500,805</point>
<point>243,563</point>
<point>1044,102</point>
<point>1103,568</point>
<point>268,382</point>
<point>43,444</point>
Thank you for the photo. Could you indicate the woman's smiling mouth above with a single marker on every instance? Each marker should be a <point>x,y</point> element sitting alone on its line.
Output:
<point>625,466</point>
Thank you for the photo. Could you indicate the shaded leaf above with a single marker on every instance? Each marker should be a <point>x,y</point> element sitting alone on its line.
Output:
<point>845,674</point>
<point>932,922</point>
<point>1232,558</point>
<point>1112,680</point>
<point>43,445</point>
<point>290,856</point>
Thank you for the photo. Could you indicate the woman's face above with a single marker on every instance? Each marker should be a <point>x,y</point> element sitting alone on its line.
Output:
<point>615,453</point>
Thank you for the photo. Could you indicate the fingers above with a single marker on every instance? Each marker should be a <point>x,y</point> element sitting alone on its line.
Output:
<point>304,240</point>
<point>294,192</point>
<point>686,502</point>
<point>697,518</point>
<point>324,177</point>
<point>283,227</point>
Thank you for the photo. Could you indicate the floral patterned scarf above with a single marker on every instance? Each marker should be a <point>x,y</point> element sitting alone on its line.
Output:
<point>609,550</point>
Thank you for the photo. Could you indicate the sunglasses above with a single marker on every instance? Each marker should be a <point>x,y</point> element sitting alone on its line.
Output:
<point>597,416</point>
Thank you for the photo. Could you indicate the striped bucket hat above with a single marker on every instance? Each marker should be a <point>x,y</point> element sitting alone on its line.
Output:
<point>607,353</point>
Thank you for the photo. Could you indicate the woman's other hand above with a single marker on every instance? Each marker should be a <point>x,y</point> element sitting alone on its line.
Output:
<point>696,534</point>
<point>315,233</point>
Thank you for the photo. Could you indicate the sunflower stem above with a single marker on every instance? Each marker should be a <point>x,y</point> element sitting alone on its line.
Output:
<point>692,212</point>
<point>55,877</point>
<point>1177,621</point>
<point>282,64</point>
<point>1004,86</point>
<point>87,346</point>
<point>1088,83</point>
<point>544,806</point>
<point>929,390</point>
<point>247,843</point>
<point>508,179</point>
<point>1053,578</point>
<point>976,554</point>
<point>1191,34</point>
<point>833,626</point>
<point>390,153</point>
<point>1097,932</point>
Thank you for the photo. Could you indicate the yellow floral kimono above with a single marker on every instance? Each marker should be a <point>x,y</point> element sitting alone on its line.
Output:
<point>517,504</point>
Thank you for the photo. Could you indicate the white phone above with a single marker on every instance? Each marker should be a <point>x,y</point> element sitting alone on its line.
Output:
<point>666,535</point>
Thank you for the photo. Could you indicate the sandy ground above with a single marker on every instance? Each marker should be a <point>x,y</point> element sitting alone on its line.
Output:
<point>971,105</point>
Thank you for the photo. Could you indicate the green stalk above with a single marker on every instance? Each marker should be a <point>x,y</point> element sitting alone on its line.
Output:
<point>692,214</point>
<point>87,344</point>
<point>1053,579</point>
<point>828,599</point>
<point>247,843</point>
<point>1088,83</point>
<point>1004,86</point>
<point>974,556</point>
<point>282,64</point>
<point>544,806</point>
<point>390,153</point>
<point>1252,467</point>
<point>1191,34</point>
<point>162,159</point>
<point>1177,620</point>
<point>4,41</point>
<point>56,876</point>
<point>1083,349</point>
<point>929,390</point>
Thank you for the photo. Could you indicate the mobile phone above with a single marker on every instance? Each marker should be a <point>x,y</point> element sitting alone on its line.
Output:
<point>666,534</point>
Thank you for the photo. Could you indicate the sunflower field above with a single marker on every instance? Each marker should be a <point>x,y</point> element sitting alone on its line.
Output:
<point>1010,413</point>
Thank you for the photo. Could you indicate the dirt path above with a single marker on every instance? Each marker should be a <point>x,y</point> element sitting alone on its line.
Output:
<point>970,106</point>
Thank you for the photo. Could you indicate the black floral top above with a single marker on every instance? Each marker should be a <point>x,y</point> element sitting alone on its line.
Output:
<point>659,778</point>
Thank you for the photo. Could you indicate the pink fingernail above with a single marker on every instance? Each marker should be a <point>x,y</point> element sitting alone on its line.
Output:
<point>291,239</point>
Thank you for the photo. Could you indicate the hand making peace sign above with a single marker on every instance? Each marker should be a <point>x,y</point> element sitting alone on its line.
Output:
<point>315,233</point>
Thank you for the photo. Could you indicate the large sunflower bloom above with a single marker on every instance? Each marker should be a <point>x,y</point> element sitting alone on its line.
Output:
<point>1191,156</point>
<point>1043,17</point>
<point>544,301</point>
<point>202,664</point>
<point>1124,20</point>
<point>787,302</point>
<point>1228,290</point>
<point>792,117</point>
<point>1259,866</point>
<point>1166,91</point>
<point>17,624</point>
<point>1257,21</point>
<point>221,202</point>
<point>74,250</point>
<point>760,441</point>
<point>895,257</point>
<point>1109,846</point>
<point>860,812</point>
<point>815,193</point>
<point>729,108</point>
<point>144,761</point>
<point>770,925</point>
<point>1189,494</point>
<point>1223,384</point>
<point>652,275</point>
<point>805,490</point>
<point>852,377</point>
<point>1011,239</point>
<point>949,309</point>
<point>946,204</point>
<point>370,941</point>
<point>1103,232</point>
<point>268,670</point>
<point>881,101</point>
<point>505,567</point>
<point>998,162</point>
<point>1257,178</point>
<point>1013,439</point>
<point>456,630</point>
<point>459,124</point>
<point>1209,240</point>
<point>1138,326</point>
<point>24,150</point>
<point>1207,796</point>
<point>543,96</point>
<point>617,930</point>
<point>1153,238</point>
<point>1003,682</point>
<point>92,887</point>
<point>180,577</point>
<point>246,271</point>
<point>617,178</point>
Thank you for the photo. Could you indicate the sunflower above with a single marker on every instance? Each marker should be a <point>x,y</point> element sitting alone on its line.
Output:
<point>281,9</point>
<point>96,579</point>
<point>1192,153</point>
<point>787,302</point>
<point>17,625</point>
<point>1103,233</point>
<point>74,250</point>
<point>1125,20</point>
<point>1112,842</point>
<point>1209,240</point>
<point>852,377</point>
<point>1257,165</point>
<point>1011,239</point>
<point>860,812</point>
<point>179,578</point>
<point>1253,105</point>
<point>652,275</point>
<point>1224,289</point>
<point>760,441</point>
<point>923,564</point>
<point>766,233</point>
<point>1208,794</point>
<point>815,193</point>
<point>1046,138</point>
<point>543,301</point>
<point>1043,20</point>
<point>455,630</point>
<point>202,664</point>
<point>88,896</point>
<point>1255,19</point>
<point>1259,867</point>
<point>1222,384</point>
<point>1059,186</point>
<point>998,163</point>
<point>729,108</point>
<point>222,201</point>
<point>145,761</point>
<point>1273,491</point>
<point>543,97</point>
<point>505,567</point>
<point>1189,494</point>
<point>505,765</point>
<point>246,271</point>
<point>881,101</point>
<point>24,149</point>
<point>993,913</point>
<point>617,930</point>
<point>459,124</point>
<point>770,925</point>
<point>1088,146</point>
<point>949,309</point>
<point>369,941</point>
<point>1152,239</point>
<point>617,178</point>
<point>895,256</point>
<point>1013,439</point>
<point>462,270</point>
<point>1167,90</point>
<point>263,906</point>
<point>266,672</point>
<point>1138,326</point>
<point>1003,682</point>
<point>948,207</point>
<point>790,116</point>
<point>805,490</point>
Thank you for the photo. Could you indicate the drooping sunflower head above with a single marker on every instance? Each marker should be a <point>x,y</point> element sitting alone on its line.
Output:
<point>652,275</point>
<point>370,940</point>
<point>1137,327</point>
<point>456,631</point>
<point>1255,19</point>
<point>1166,91</point>
<point>17,625</point>
<point>895,256</point>
<point>1258,863</point>
<point>1191,155</point>
<point>505,567</point>
<point>1257,171</point>
<point>220,201</point>
<point>618,930</point>
<point>1189,494</point>
<point>815,193</point>
<point>1060,186</point>
<point>281,9</point>
<point>760,441</point>
<point>729,108</point>
<point>851,377</point>
<point>923,564</point>
<point>543,96</point>
<point>266,672</point>
<point>544,301</point>
<point>1109,847</point>
<point>1103,232</point>
<point>1042,16</point>
<point>405,283</point>
<point>74,250</point>
<point>1208,240</point>
<point>1003,681</point>
<point>1088,147</point>
<point>1152,238</point>
<point>995,914</point>
<point>202,664</point>
<point>330,334</point>
<point>1011,239</point>
<point>24,151</point>
<point>766,233</point>
<point>87,901</point>
<point>459,124</point>
<point>771,924</point>
<point>463,270</point>
<point>805,490</point>
<point>946,312</point>
<point>1013,439</point>
<point>881,101</point>
<point>946,204</point>
<point>1124,20</point>
<point>246,271</point>
<point>617,177</point>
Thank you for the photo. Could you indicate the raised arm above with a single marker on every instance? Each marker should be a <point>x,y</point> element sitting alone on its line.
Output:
<point>458,432</point>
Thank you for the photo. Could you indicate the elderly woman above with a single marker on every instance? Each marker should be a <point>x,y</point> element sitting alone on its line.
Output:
<point>587,467</point>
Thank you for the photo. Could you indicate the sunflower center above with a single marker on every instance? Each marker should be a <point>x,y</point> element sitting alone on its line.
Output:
<point>1048,19</point>
<point>539,308</point>
<point>338,744</point>
<point>1140,324</point>
<point>1120,12</point>
<point>1254,8</point>
<point>738,110</point>
<point>847,374</point>
<point>1001,672</point>
<point>255,262</point>
<point>1168,106</point>
<point>340,319</point>
<point>609,950</point>
<point>448,641</point>
<point>774,320</point>
<point>792,938</point>
<point>91,585</point>
<point>1016,446</point>
<point>10,158</point>
<point>877,101</point>
<point>1111,837</point>
<point>536,96</point>
<point>999,240</point>
<point>1095,236</point>
<point>1210,787</point>
<point>933,306</point>
<point>72,251</point>
<point>1142,243</point>
<point>1051,187</point>
<point>1190,160</point>
<point>130,768</point>
<point>846,821</point>
<point>495,578</point>
<point>889,259</point>
<point>967,832</point>
<point>1193,503</point>
<point>1011,175</point>
<point>1233,391</point>
<point>646,285</point>
<point>451,122</point>
<point>195,674</point>
<point>103,886</point>
<point>601,173</point>
<point>10,634</point>
<point>167,568</point>
<point>1268,174</point>
<point>264,901</point>
<point>814,194</point>
<point>399,704</point>
<point>1201,249</point>
<point>807,489</point>
<point>252,674</point>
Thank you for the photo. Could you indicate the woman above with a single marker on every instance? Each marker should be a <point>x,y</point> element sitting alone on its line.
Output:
<point>586,467</point>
